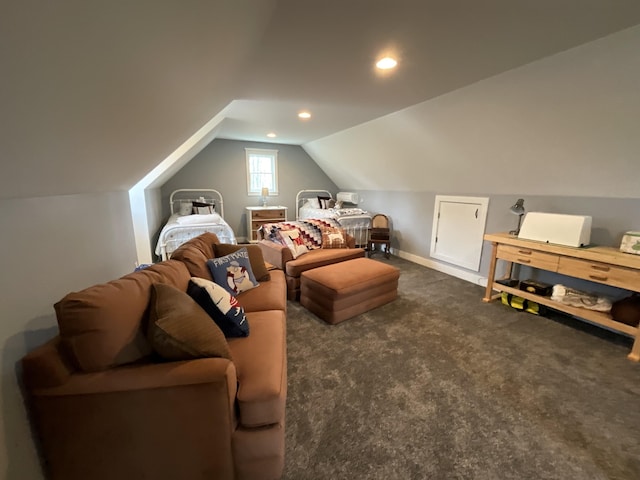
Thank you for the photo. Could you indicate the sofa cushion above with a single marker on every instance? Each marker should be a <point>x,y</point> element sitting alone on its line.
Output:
<point>255,258</point>
<point>179,329</point>
<point>102,326</point>
<point>269,295</point>
<point>195,253</point>
<point>220,305</point>
<point>233,272</point>
<point>320,258</point>
<point>261,365</point>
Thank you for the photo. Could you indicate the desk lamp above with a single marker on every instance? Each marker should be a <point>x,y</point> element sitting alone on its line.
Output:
<point>517,209</point>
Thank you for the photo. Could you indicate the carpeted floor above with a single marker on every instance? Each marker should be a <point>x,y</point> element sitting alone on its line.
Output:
<point>439,385</point>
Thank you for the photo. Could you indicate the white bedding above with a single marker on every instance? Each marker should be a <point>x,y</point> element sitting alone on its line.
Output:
<point>180,229</point>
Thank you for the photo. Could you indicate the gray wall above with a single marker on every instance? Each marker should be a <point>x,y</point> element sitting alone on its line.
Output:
<point>412,220</point>
<point>222,166</point>
<point>49,247</point>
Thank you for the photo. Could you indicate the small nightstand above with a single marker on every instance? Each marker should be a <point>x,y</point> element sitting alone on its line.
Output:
<point>256,216</point>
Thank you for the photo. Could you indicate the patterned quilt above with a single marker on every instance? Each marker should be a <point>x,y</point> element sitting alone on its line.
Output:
<point>311,230</point>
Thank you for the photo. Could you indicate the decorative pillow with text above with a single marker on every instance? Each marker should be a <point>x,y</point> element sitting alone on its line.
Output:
<point>233,271</point>
<point>221,306</point>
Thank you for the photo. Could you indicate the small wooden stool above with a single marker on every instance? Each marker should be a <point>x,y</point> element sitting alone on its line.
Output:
<point>343,290</point>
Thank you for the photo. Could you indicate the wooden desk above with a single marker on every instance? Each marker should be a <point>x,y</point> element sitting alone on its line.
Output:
<point>604,265</point>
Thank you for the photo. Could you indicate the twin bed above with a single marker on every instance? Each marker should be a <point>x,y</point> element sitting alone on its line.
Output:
<point>321,204</point>
<point>196,211</point>
<point>193,212</point>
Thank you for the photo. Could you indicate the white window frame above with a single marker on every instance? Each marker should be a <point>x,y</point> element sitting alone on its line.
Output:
<point>273,185</point>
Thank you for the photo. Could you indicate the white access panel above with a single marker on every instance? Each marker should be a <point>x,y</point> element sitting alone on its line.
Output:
<point>458,230</point>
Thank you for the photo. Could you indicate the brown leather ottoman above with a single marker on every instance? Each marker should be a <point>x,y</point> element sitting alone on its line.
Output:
<point>343,290</point>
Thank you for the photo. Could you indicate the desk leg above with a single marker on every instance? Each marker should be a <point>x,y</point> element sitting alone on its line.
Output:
<point>635,350</point>
<point>492,272</point>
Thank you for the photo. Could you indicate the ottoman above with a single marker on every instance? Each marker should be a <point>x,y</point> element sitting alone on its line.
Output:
<point>343,290</point>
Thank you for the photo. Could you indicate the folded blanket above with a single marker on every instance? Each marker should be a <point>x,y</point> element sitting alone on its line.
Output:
<point>577,298</point>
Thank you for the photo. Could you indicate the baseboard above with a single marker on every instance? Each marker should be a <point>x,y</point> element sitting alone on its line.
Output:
<point>441,267</point>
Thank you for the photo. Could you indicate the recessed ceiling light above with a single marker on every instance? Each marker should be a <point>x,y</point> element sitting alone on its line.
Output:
<point>271,135</point>
<point>304,114</point>
<point>386,63</point>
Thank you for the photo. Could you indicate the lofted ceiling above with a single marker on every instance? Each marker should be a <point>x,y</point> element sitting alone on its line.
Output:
<point>94,96</point>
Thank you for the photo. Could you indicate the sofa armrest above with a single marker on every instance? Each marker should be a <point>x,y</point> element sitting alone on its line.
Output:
<point>45,366</point>
<point>166,420</point>
<point>146,377</point>
<point>275,254</point>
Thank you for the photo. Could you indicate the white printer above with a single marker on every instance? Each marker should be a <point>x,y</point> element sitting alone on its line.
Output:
<point>569,230</point>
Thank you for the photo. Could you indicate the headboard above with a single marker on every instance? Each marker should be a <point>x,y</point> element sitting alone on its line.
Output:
<point>207,195</point>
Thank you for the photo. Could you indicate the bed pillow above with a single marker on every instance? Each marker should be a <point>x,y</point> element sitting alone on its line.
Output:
<point>324,202</point>
<point>179,329</point>
<point>221,306</point>
<point>233,272</point>
<point>203,208</point>
<point>260,271</point>
<point>313,203</point>
<point>186,208</point>
<point>293,241</point>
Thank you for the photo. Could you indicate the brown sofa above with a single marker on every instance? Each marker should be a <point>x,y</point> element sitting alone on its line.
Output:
<point>105,408</point>
<point>282,258</point>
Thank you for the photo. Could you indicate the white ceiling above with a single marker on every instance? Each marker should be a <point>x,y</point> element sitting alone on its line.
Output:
<point>320,56</point>
<point>94,96</point>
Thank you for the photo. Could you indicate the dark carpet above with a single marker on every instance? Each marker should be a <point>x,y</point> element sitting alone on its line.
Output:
<point>439,385</point>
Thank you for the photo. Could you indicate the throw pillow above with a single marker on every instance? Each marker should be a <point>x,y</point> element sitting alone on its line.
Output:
<point>333,238</point>
<point>220,305</point>
<point>203,208</point>
<point>294,242</point>
<point>324,202</point>
<point>179,329</point>
<point>233,272</point>
<point>256,259</point>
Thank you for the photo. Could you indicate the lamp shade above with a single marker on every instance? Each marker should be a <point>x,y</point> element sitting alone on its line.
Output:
<point>518,208</point>
<point>265,191</point>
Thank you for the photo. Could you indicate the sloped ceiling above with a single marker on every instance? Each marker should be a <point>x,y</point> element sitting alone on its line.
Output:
<point>94,95</point>
<point>565,125</point>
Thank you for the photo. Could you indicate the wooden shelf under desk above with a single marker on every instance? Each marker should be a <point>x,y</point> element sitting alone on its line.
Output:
<point>605,265</point>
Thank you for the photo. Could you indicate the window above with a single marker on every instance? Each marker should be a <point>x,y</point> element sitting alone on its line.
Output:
<point>262,171</point>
